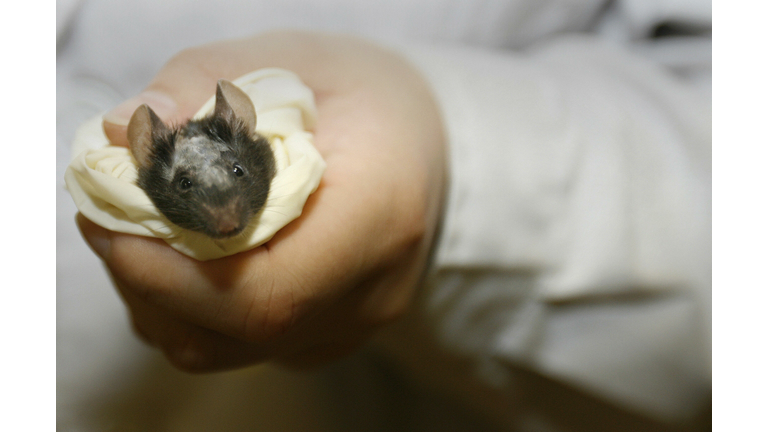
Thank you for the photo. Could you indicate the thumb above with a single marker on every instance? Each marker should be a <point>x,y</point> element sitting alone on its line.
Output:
<point>175,94</point>
<point>115,122</point>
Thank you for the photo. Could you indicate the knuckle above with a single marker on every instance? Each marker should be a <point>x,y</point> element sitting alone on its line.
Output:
<point>273,313</point>
<point>138,272</point>
<point>415,221</point>
<point>187,56</point>
<point>138,283</point>
<point>389,312</point>
<point>390,297</point>
<point>280,314</point>
<point>189,355</point>
<point>201,60</point>
<point>142,331</point>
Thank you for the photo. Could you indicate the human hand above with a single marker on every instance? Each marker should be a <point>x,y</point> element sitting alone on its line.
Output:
<point>348,265</point>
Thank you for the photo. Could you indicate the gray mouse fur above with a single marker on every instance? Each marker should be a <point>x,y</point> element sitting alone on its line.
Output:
<point>210,175</point>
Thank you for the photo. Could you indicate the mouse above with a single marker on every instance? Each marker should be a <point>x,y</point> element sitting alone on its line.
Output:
<point>210,175</point>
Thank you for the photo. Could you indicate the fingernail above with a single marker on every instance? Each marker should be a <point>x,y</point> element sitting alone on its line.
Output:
<point>97,237</point>
<point>162,104</point>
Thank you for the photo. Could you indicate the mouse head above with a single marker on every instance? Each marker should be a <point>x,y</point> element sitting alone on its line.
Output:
<point>211,175</point>
<point>145,129</point>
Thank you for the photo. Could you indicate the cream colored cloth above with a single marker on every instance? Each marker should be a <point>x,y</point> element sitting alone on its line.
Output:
<point>102,178</point>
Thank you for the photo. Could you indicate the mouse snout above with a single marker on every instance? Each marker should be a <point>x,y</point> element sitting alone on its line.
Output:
<point>227,219</point>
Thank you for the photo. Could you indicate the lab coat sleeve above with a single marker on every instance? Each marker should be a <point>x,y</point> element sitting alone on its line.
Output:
<point>576,239</point>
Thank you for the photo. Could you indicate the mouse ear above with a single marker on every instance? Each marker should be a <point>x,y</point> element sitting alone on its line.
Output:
<point>232,102</point>
<point>143,125</point>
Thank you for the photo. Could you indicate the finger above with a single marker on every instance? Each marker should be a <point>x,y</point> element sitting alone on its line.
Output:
<point>187,346</point>
<point>115,122</point>
<point>176,93</point>
<point>188,79</point>
<point>210,294</point>
<point>183,84</point>
<point>195,349</point>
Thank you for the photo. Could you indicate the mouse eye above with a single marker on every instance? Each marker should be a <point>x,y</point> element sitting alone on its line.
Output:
<point>185,183</point>
<point>238,170</point>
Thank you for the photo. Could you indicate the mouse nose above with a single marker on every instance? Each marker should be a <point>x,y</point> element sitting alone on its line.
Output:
<point>228,226</point>
<point>226,220</point>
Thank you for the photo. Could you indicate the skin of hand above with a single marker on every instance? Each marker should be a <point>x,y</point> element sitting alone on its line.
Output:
<point>349,265</point>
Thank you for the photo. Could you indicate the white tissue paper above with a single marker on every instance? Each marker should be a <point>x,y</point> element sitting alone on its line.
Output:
<point>102,178</point>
